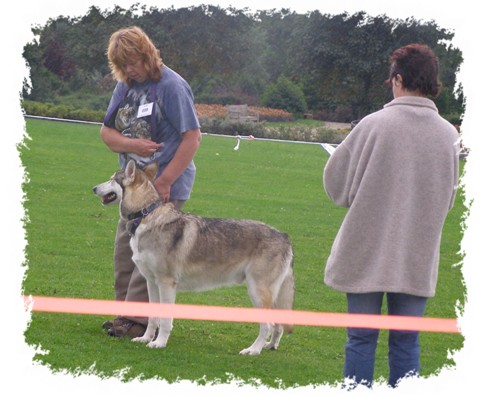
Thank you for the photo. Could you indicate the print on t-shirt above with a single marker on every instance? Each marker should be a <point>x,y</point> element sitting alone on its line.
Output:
<point>130,125</point>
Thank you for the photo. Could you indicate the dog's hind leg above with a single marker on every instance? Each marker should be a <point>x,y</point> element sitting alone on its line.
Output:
<point>277,333</point>
<point>261,298</point>
<point>285,300</point>
<point>167,294</point>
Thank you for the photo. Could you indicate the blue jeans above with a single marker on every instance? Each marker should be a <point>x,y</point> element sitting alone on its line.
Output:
<point>403,346</point>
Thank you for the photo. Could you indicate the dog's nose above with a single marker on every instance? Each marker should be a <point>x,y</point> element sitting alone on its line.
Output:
<point>94,189</point>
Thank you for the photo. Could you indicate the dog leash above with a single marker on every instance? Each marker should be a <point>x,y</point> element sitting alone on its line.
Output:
<point>139,215</point>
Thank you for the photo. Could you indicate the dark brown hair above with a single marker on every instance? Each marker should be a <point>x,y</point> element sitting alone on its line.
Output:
<point>419,67</point>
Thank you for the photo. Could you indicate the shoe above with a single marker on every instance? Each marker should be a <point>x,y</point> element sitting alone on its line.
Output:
<point>109,324</point>
<point>125,327</point>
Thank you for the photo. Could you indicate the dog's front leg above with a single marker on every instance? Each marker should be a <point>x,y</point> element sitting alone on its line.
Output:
<point>153,322</point>
<point>167,294</point>
<point>260,341</point>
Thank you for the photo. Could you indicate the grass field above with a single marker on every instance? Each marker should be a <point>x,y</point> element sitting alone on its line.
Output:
<point>69,254</point>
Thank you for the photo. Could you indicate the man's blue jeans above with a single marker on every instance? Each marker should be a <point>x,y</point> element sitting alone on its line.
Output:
<point>403,346</point>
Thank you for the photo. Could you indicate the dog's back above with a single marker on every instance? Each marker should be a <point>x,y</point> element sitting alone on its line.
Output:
<point>205,253</point>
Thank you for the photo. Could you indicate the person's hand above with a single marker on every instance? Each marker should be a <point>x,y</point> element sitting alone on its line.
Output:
<point>180,161</point>
<point>144,147</point>
<point>163,188</point>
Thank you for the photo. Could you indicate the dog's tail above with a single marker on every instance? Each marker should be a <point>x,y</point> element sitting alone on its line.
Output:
<point>285,298</point>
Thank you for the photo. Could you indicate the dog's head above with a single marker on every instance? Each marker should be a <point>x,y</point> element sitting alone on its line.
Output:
<point>112,191</point>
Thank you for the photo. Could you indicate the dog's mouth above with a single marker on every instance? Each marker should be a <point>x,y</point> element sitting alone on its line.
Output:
<point>109,198</point>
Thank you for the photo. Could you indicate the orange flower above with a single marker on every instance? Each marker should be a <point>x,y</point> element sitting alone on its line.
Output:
<point>211,110</point>
<point>219,111</point>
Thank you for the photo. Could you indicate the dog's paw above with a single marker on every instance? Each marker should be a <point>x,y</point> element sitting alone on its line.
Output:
<point>141,339</point>
<point>250,351</point>
<point>270,346</point>
<point>157,344</point>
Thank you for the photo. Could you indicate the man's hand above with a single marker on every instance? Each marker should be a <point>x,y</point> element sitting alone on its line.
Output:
<point>144,147</point>
<point>121,144</point>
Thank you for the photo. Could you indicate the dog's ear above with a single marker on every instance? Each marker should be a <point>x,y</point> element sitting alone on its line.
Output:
<point>151,170</point>
<point>130,171</point>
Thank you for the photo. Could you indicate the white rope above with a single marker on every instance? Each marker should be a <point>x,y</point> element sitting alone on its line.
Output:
<point>327,147</point>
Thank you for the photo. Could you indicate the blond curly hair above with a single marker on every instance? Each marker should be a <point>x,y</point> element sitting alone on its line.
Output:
<point>129,45</point>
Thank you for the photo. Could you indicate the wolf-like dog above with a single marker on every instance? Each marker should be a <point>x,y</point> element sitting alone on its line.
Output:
<point>176,251</point>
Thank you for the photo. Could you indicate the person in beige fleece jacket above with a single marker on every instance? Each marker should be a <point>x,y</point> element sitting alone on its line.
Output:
<point>397,172</point>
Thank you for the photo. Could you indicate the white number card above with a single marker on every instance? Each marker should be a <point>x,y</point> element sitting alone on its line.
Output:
<point>145,110</point>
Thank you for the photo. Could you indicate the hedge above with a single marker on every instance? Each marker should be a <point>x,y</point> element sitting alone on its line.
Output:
<point>213,124</point>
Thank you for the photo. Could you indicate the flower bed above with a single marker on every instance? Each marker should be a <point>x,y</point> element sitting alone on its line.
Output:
<point>211,110</point>
<point>266,114</point>
<point>213,120</point>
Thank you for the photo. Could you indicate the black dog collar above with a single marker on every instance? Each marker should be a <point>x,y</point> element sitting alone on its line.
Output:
<point>139,215</point>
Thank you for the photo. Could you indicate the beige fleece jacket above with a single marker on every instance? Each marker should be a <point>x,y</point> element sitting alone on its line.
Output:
<point>397,172</point>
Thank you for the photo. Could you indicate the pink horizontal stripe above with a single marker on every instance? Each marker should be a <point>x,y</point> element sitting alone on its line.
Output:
<point>238,314</point>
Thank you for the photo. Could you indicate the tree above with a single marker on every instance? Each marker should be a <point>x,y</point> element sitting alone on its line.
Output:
<point>285,95</point>
<point>231,55</point>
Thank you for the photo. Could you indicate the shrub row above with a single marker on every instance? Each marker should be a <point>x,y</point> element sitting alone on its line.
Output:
<point>61,111</point>
<point>212,119</point>
<point>203,110</point>
<point>316,134</point>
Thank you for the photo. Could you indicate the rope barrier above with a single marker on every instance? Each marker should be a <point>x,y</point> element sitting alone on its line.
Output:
<point>238,314</point>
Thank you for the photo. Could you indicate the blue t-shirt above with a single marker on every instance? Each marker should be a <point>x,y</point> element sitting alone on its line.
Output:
<point>161,111</point>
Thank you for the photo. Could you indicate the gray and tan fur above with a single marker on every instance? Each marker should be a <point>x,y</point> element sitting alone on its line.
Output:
<point>176,251</point>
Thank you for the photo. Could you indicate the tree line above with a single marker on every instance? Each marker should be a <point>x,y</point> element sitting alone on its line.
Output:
<point>336,63</point>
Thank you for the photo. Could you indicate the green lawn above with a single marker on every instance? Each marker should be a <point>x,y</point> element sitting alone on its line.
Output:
<point>69,254</point>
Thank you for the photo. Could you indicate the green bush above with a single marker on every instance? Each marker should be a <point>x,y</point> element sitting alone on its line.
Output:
<point>285,95</point>
<point>311,133</point>
<point>231,128</point>
<point>454,118</point>
<point>61,111</point>
<point>210,125</point>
